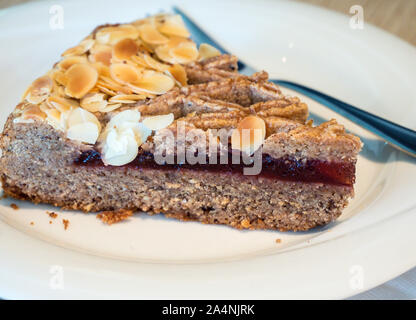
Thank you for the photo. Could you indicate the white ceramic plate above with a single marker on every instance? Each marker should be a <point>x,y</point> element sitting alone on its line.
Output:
<point>155,257</point>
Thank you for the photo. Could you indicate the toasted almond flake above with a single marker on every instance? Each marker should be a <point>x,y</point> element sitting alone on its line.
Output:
<point>83,47</point>
<point>33,112</point>
<point>55,119</point>
<point>154,64</point>
<point>102,69</point>
<point>173,26</point>
<point>81,79</point>
<point>59,77</point>
<point>104,56</point>
<point>61,104</point>
<point>150,35</point>
<point>185,52</point>
<point>179,73</point>
<point>140,61</point>
<point>39,90</point>
<point>94,102</point>
<point>110,84</point>
<point>249,134</point>
<point>124,73</point>
<point>126,98</point>
<point>66,63</point>
<point>154,82</point>
<point>106,90</point>
<point>158,122</point>
<point>111,107</point>
<point>163,53</point>
<point>111,35</point>
<point>125,48</point>
<point>74,51</point>
<point>207,51</point>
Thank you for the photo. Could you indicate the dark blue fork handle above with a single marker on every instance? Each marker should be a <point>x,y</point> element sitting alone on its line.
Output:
<point>397,135</point>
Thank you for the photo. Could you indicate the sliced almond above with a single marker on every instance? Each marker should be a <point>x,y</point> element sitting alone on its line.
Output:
<point>66,63</point>
<point>163,53</point>
<point>173,26</point>
<point>125,116</point>
<point>150,35</point>
<point>124,73</point>
<point>111,107</point>
<point>125,48</point>
<point>102,69</point>
<point>61,104</point>
<point>119,149</point>
<point>111,35</point>
<point>55,119</point>
<point>101,53</point>
<point>59,76</point>
<point>126,98</point>
<point>39,90</point>
<point>83,47</point>
<point>33,112</point>
<point>106,90</point>
<point>83,126</point>
<point>80,116</point>
<point>140,61</point>
<point>94,102</point>
<point>179,73</point>
<point>249,134</point>
<point>159,122</point>
<point>154,64</point>
<point>207,51</point>
<point>86,132</point>
<point>154,82</point>
<point>112,85</point>
<point>185,52</point>
<point>81,79</point>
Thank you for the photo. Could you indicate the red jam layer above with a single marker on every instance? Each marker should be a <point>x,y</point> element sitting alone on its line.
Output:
<point>287,168</point>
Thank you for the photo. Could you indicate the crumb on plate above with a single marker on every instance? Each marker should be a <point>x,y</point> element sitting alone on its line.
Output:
<point>66,223</point>
<point>110,217</point>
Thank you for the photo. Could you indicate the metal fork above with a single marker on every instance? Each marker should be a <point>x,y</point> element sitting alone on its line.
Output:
<point>398,136</point>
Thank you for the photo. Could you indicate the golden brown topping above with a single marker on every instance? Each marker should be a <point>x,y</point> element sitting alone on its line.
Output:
<point>207,51</point>
<point>125,48</point>
<point>179,73</point>
<point>111,35</point>
<point>150,35</point>
<point>81,79</point>
<point>125,73</point>
<point>39,90</point>
<point>152,82</point>
<point>172,26</point>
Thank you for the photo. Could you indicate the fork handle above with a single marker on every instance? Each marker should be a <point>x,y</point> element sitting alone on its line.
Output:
<point>397,135</point>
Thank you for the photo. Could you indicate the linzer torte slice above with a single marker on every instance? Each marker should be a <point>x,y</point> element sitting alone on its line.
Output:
<point>138,118</point>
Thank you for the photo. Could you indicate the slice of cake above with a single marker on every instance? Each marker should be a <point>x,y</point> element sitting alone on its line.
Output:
<point>136,117</point>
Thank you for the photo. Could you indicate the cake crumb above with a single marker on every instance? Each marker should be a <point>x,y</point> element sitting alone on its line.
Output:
<point>50,222</point>
<point>110,217</point>
<point>14,206</point>
<point>66,223</point>
<point>245,223</point>
<point>32,223</point>
<point>278,240</point>
<point>52,214</point>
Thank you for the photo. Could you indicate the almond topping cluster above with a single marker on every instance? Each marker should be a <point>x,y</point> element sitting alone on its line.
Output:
<point>116,66</point>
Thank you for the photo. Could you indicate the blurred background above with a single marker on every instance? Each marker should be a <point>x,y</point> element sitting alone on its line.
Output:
<point>395,16</point>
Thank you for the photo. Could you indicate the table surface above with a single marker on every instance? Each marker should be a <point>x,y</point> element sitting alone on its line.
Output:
<point>394,16</point>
